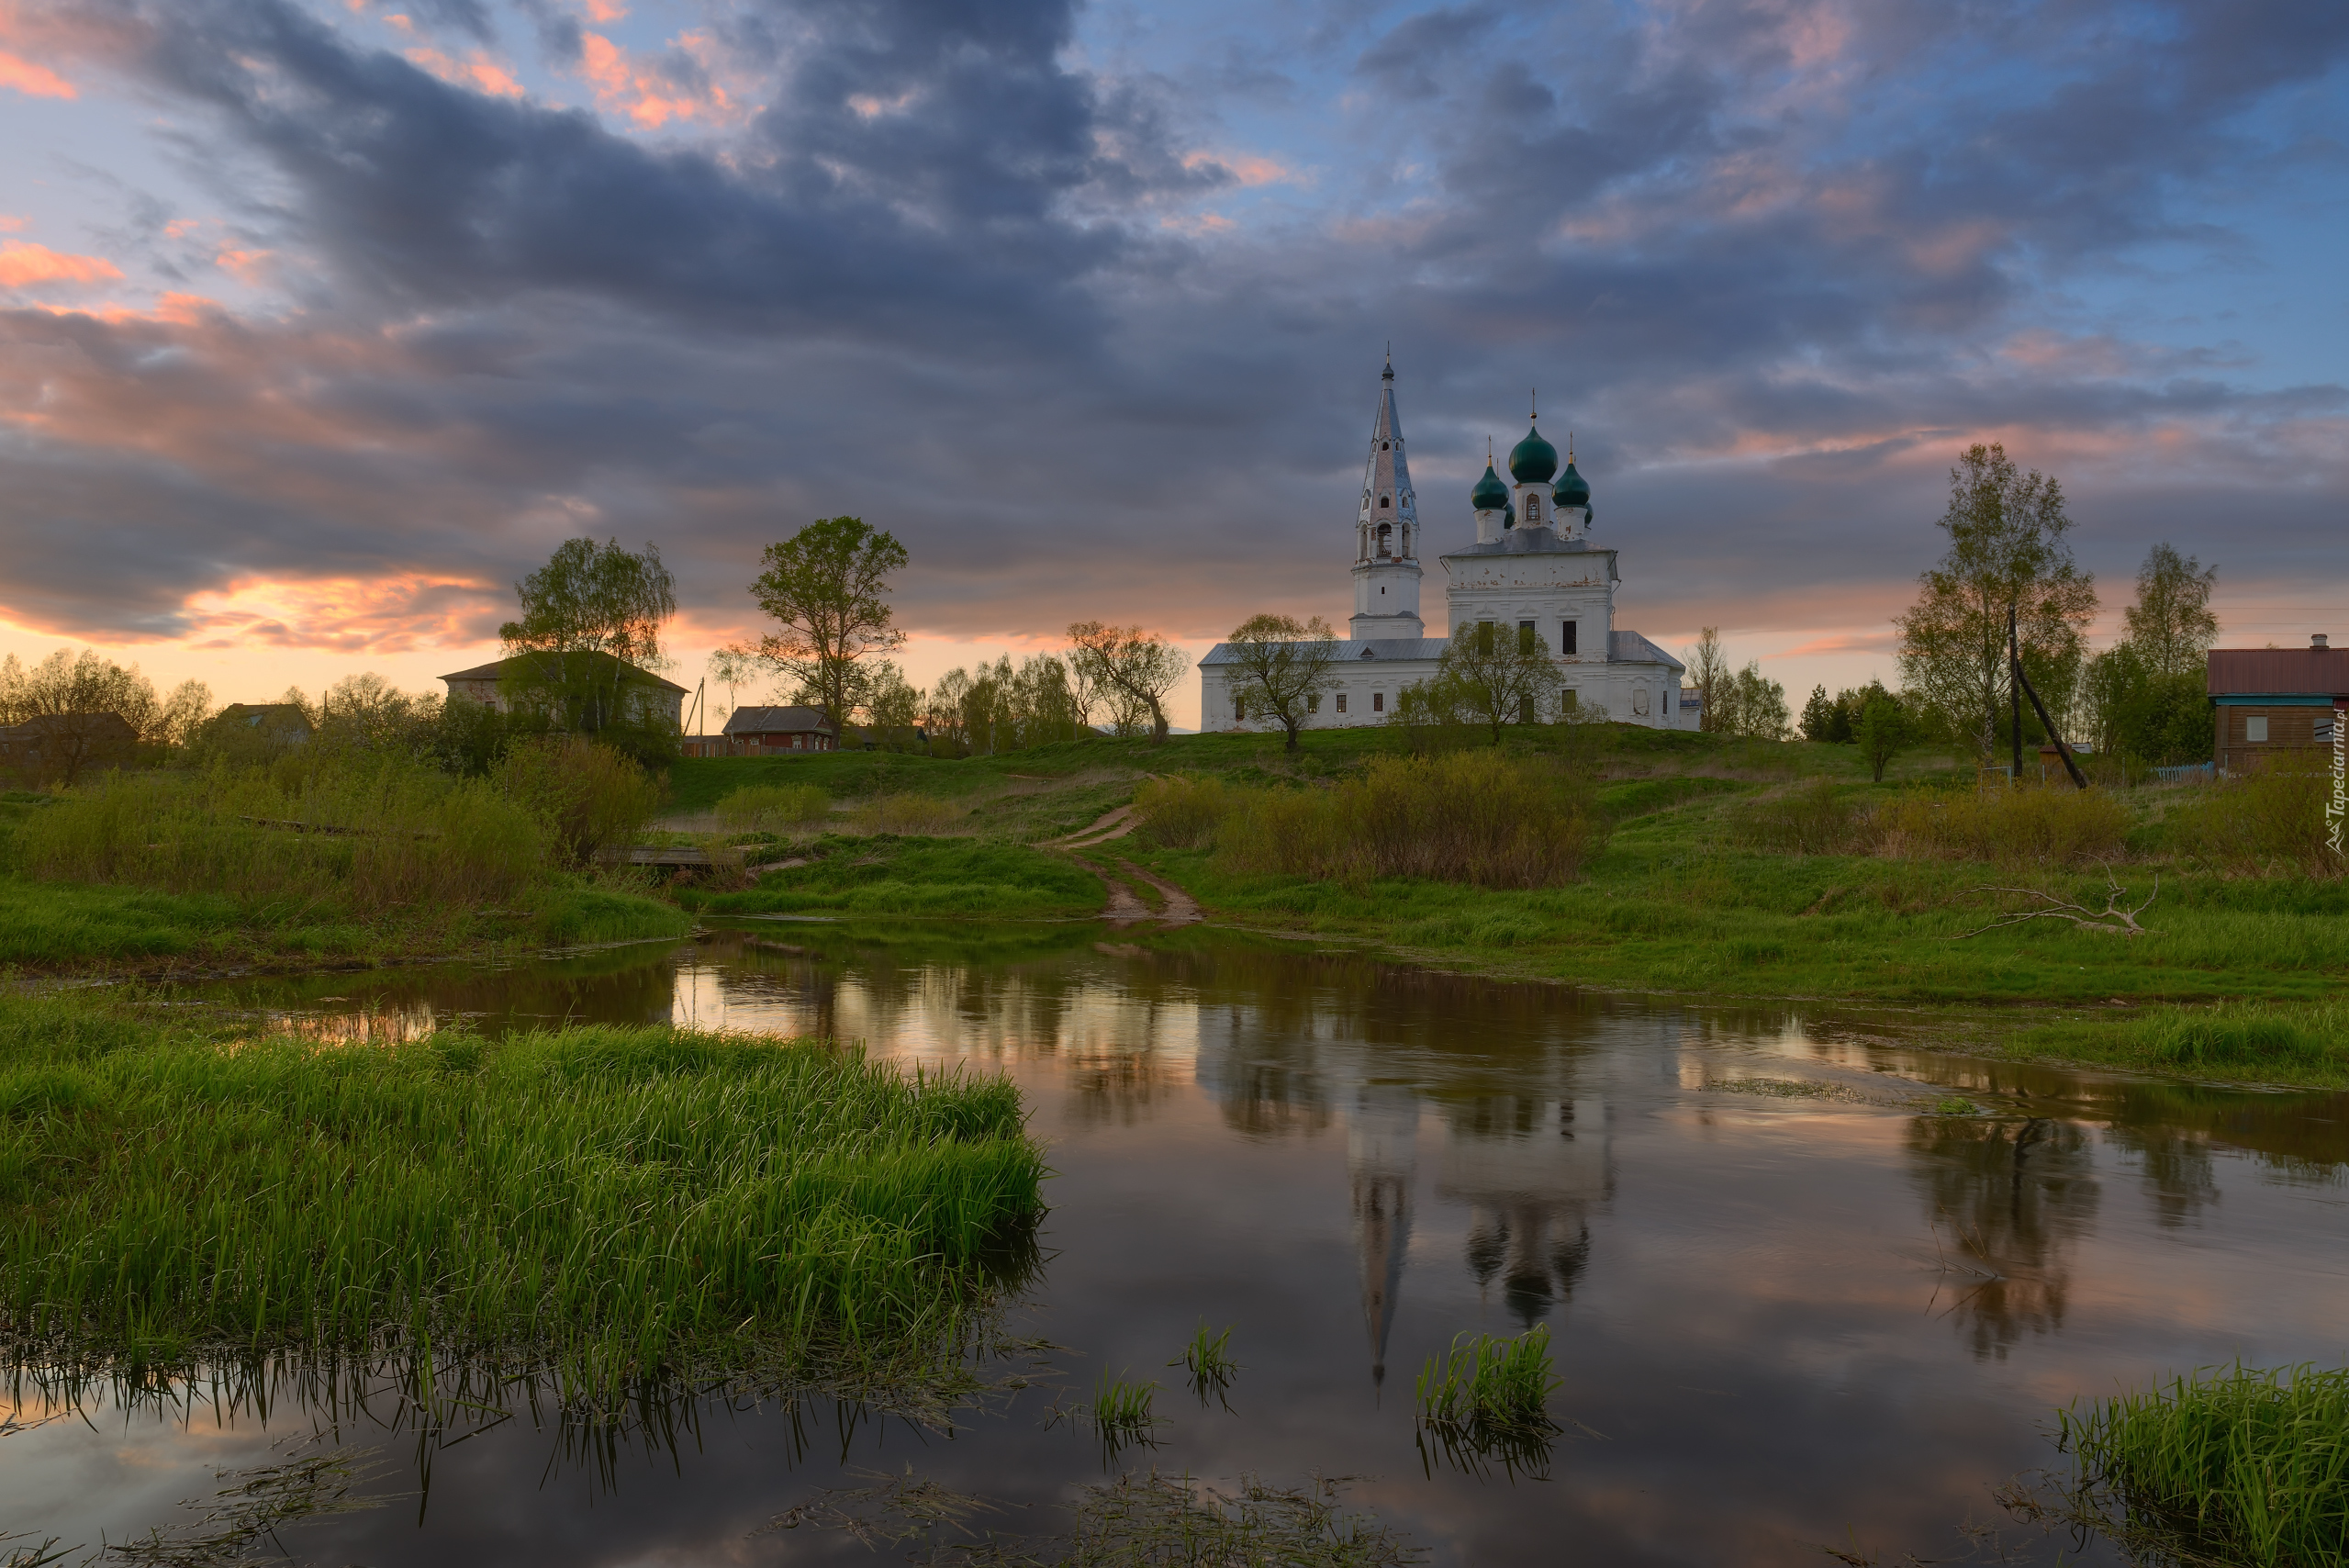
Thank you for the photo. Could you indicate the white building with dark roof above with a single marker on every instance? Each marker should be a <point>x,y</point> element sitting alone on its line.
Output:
<point>1531,570</point>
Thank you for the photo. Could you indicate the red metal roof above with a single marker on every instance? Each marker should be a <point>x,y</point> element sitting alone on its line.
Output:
<point>2308,671</point>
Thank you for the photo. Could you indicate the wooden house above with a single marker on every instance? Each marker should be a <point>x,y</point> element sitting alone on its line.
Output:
<point>2274,704</point>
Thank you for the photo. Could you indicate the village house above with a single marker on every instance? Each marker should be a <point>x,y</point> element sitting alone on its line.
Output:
<point>2275,703</point>
<point>1532,573</point>
<point>646,699</point>
<point>281,722</point>
<point>59,747</point>
<point>769,732</point>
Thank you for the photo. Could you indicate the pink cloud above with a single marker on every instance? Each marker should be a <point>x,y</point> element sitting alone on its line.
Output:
<point>405,612</point>
<point>476,71</point>
<point>1248,168</point>
<point>644,95</point>
<point>22,264</point>
<point>33,81</point>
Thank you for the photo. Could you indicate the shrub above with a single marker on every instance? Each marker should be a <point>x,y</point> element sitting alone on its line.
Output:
<point>1475,816</point>
<point>757,806</point>
<point>1181,812</point>
<point>588,796</point>
<point>909,814</point>
<point>2273,820</point>
<point>2054,826</point>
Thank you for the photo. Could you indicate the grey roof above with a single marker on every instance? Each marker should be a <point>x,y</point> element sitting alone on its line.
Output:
<point>1540,541</point>
<point>788,721</point>
<point>493,670</point>
<point>1630,648</point>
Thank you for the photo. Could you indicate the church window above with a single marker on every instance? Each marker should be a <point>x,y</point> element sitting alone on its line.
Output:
<point>1533,510</point>
<point>1313,703</point>
<point>1525,709</point>
<point>1384,501</point>
<point>1566,640</point>
<point>1527,642</point>
<point>1668,698</point>
<point>1378,702</point>
<point>1571,699</point>
<point>1484,636</point>
<point>1386,539</point>
<point>1341,703</point>
<point>1384,446</point>
<point>1240,709</point>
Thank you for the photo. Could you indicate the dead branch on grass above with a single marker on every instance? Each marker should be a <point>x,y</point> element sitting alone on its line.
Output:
<point>2112,917</point>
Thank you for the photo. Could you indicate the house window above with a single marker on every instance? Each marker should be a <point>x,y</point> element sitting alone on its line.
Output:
<point>1527,642</point>
<point>1341,703</point>
<point>1566,640</point>
<point>2254,728</point>
<point>1378,702</point>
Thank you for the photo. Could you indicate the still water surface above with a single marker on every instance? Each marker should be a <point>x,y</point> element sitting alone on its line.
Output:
<point>1803,1311</point>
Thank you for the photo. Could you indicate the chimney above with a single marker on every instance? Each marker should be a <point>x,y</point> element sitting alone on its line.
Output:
<point>2316,641</point>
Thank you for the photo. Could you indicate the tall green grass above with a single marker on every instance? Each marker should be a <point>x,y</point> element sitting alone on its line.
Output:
<point>1486,1399</point>
<point>611,1203</point>
<point>2271,821</point>
<point>1483,817</point>
<point>2241,1467</point>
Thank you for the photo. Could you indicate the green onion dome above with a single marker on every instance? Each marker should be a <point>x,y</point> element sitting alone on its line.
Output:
<point>1533,460</point>
<point>1490,494</point>
<point>1573,491</point>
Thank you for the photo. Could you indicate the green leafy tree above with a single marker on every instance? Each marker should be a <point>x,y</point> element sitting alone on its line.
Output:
<point>892,706</point>
<point>1886,730</point>
<point>1281,668</point>
<point>1757,705</point>
<point>826,588</point>
<point>2171,626</point>
<point>1130,667</point>
<point>589,634</point>
<point>2006,551</point>
<point>1710,676</point>
<point>1825,717</point>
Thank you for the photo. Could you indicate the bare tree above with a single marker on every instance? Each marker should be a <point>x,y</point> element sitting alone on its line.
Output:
<point>1280,666</point>
<point>1708,669</point>
<point>826,587</point>
<point>2007,555</point>
<point>1140,664</point>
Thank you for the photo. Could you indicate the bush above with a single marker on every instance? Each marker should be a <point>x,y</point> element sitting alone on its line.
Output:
<point>1475,816</point>
<point>910,815</point>
<point>361,833</point>
<point>757,806</point>
<point>1181,812</point>
<point>2274,820</point>
<point>585,795</point>
<point>2052,826</point>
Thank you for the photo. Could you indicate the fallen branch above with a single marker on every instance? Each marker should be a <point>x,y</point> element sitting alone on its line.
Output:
<point>2112,917</point>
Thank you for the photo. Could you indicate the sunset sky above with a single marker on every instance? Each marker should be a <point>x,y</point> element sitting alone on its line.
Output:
<point>320,323</point>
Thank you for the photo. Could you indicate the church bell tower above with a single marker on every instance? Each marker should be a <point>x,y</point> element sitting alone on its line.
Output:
<point>1386,545</point>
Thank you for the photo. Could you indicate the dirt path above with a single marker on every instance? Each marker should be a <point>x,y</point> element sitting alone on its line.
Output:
<point>1123,909</point>
<point>1110,825</point>
<point>1181,908</point>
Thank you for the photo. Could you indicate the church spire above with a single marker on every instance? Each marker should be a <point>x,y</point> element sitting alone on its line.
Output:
<point>1387,498</point>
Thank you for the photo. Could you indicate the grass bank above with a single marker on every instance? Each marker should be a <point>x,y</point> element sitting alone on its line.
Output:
<point>912,876</point>
<point>325,857</point>
<point>606,1203</point>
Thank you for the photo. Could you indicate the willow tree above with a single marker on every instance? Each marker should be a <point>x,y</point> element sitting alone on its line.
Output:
<point>826,588</point>
<point>1131,668</point>
<point>2007,555</point>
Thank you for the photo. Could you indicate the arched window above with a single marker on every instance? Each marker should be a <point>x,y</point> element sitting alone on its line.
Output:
<point>1533,510</point>
<point>1384,501</point>
<point>1386,539</point>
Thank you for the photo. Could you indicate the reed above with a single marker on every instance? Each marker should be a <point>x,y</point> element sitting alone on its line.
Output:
<point>1486,1399</point>
<point>613,1202</point>
<point>2238,1466</point>
<point>2044,827</point>
<point>1208,1358</point>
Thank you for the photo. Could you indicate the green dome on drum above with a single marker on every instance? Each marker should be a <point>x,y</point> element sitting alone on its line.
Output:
<point>1533,460</point>
<point>1573,491</point>
<point>1490,494</point>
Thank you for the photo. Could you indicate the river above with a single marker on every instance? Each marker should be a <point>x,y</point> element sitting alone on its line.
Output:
<point>1794,1301</point>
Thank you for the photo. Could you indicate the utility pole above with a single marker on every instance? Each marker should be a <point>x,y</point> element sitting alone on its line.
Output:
<point>2015,690</point>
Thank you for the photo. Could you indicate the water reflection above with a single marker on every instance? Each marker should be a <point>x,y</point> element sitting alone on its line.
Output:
<point>2010,1200</point>
<point>1532,1173</point>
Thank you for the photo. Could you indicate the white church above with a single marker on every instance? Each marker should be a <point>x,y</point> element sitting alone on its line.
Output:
<point>1532,566</point>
